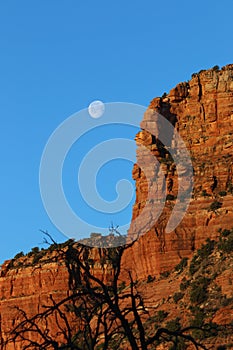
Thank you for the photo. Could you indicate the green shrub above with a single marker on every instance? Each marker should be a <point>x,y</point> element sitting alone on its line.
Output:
<point>35,250</point>
<point>182,264</point>
<point>174,325</point>
<point>19,255</point>
<point>160,316</point>
<point>184,285</point>
<point>222,193</point>
<point>206,249</point>
<point>225,233</point>
<point>20,264</point>
<point>206,329</point>
<point>226,245</point>
<point>197,295</point>
<point>216,68</point>
<point>150,279</point>
<point>165,274</point>
<point>177,296</point>
<point>198,292</point>
<point>211,329</point>
<point>205,194</point>
<point>37,257</point>
<point>202,253</point>
<point>52,247</point>
<point>199,317</point>
<point>11,264</point>
<point>230,187</point>
<point>198,334</point>
<point>194,264</point>
<point>215,206</point>
<point>226,301</point>
<point>67,243</point>
<point>178,346</point>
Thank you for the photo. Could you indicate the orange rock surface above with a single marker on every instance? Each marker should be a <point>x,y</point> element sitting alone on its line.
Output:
<point>201,110</point>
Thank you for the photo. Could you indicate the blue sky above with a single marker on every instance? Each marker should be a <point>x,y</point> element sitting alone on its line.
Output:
<point>58,56</point>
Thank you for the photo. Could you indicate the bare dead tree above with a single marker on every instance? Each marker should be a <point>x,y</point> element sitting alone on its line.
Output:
<point>96,315</point>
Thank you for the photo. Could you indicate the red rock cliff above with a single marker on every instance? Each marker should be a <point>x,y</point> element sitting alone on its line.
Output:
<point>201,110</point>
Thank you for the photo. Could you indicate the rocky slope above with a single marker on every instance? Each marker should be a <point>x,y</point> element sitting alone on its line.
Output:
<point>201,110</point>
<point>197,292</point>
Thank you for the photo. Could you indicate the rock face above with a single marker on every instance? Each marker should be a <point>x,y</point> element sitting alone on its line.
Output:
<point>29,284</point>
<point>29,288</point>
<point>201,110</point>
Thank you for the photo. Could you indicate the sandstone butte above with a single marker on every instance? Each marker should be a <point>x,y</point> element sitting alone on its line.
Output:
<point>201,110</point>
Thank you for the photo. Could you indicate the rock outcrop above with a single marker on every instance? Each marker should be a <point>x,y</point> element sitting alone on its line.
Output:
<point>30,283</point>
<point>201,110</point>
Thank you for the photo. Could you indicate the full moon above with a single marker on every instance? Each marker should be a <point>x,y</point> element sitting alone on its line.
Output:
<point>96,109</point>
